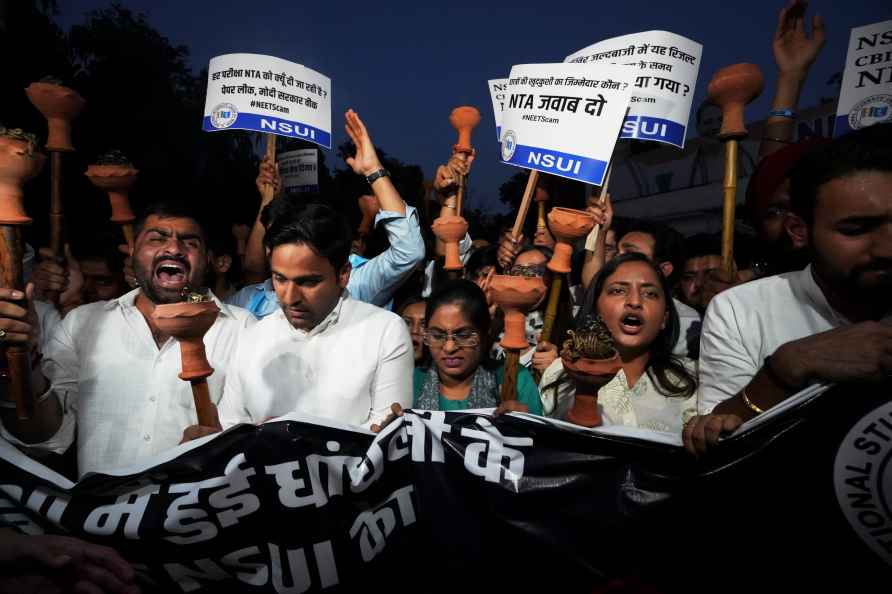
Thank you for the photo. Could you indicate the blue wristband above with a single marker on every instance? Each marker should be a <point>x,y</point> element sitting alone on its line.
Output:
<point>782,113</point>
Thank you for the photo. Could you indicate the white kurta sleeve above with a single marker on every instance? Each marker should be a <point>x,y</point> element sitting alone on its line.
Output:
<point>60,366</point>
<point>726,366</point>
<point>393,378</point>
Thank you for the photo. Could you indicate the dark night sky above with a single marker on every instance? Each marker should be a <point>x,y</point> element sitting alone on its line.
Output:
<point>404,65</point>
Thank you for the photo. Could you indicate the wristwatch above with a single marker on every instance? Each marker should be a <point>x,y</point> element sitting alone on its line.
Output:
<point>377,174</point>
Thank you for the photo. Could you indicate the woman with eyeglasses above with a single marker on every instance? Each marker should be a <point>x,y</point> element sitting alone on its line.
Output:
<point>654,389</point>
<point>460,375</point>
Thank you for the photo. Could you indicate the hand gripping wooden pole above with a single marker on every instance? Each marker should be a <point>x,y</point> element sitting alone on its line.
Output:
<point>19,162</point>
<point>592,238</point>
<point>731,88</point>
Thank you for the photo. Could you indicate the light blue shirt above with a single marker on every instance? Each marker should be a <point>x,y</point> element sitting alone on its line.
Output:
<point>374,281</point>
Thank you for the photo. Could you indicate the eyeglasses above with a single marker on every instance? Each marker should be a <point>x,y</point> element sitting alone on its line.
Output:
<point>531,271</point>
<point>462,338</point>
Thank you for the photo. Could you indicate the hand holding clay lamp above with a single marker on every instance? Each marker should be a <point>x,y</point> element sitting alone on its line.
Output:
<point>515,295</point>
<point>567,225</point>
<point>591,360</point>
<point>369,207</point>
<point>59,105</point>
<point>19,162</point>
<point>188,322</point>
<point>731,89</point>
<point>115,174</point>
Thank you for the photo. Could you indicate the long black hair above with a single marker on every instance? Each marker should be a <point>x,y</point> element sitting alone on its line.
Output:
<point>669,375</point>
<point>470,299</point>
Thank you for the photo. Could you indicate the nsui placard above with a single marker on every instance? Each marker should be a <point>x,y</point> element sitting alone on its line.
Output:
<point>666,66</point>
<point>865,98</point>
<point>268,94</point>
<point>564,119</point>
<point>497,88</point>
<point>299,170</point>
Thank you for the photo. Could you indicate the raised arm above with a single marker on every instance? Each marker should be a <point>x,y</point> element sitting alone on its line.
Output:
<point>255,270</point>
<point>594,261</point>
<point>794,53</point>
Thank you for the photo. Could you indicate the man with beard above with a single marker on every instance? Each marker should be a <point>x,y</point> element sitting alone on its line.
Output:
<point>107,370</point>
<point>766,340</point>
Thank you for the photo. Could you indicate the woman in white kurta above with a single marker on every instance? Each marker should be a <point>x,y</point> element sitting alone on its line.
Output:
<point>654,389</point>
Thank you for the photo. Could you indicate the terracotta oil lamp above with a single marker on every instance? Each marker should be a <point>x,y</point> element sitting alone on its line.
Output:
<point>516,295</point>
<point>188,322</point>
<point>116,175</point>
<point>450,230</point>
<point>369,207</point>
<point>731,89</point>
<point>59,105</point>
<point>19,162</point>
<point>590,359</point>
<point>464,119</point>
<point>567,225</point>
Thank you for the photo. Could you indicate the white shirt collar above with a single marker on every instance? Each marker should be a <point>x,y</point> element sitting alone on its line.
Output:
<point>128,301</point>
<point>327,322</point>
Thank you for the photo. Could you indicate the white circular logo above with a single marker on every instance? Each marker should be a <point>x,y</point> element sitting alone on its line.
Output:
<point>873,110</point>
<point>509,145</point>
<point>223,115</point>
<point>862,475</point>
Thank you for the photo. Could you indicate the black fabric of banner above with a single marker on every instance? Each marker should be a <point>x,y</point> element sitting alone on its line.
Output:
<point>490,503</point>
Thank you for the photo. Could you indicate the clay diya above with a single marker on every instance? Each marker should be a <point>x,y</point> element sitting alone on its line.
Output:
<point>188,322</point>
<point>59,105</point>
<point>115,174</point>
<point>591,360</point>
<point>464,119</point>
<point>19,162</point>
<point>369,207</point>
<point>516,295</point>
<point>731,89</point>
<point>567,225</point>
<point>451,230</point>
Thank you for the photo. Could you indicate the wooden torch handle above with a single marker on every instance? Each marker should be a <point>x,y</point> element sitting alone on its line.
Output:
<point>554,297</point>
<point>204,408</point>
<point>525,202</point>
<point>509,381</point>
<point>730,189</point>
<point>57,217</point>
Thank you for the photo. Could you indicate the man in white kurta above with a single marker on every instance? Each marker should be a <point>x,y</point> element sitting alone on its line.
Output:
<point>119,392</point>
<point>109,377</point>
<point>350,367</point>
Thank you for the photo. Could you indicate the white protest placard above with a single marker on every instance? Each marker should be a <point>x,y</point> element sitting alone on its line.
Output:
<point>865,97</point>
<point>299,170</point>
<point>666,67</point>
<point>268,94</point>
<point>497,88</point>
<point>564,119</point>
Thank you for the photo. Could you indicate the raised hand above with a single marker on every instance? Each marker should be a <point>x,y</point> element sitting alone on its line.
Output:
<point>601,211</point>
<point>794,51</point>
<point>366,161</point>
<point>266,177</point>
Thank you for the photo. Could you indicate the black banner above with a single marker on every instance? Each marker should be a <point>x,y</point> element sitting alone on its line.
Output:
<point>466,502</point>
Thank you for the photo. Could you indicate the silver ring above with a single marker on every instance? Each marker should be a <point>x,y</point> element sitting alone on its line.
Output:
<point>2,335</point>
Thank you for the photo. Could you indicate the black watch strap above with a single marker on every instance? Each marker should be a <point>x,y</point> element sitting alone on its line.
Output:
<point>377,174</point>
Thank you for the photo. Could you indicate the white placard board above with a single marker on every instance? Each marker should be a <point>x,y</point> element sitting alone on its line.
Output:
<point>299,170</point>
<point>865,97</point>
<point>268,94</point>
<point>666,67</point>
<point>564,119</point>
